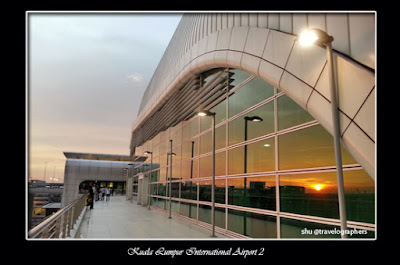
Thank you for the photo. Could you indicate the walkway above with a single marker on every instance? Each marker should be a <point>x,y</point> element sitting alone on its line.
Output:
<point>121,219</point>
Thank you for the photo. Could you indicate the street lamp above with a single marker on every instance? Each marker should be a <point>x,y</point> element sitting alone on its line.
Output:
<point>129,183</point>
<point>246,120</point>
<point>321,38</point>
<point>170,180</point>
<point>212,114</point>
<point>149,180</point>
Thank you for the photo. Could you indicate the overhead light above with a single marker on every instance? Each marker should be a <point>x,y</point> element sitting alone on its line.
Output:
<point>314,36</point>
<point>205,113</point>
<point>307,37</point>
<point>254,118</point>
<point>267,145</point>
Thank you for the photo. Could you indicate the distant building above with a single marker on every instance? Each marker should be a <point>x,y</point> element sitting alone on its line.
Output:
<point>43,200</point>
<point>83,169</point>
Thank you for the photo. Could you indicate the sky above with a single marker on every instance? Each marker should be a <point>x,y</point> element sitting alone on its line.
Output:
<point>86,77</point>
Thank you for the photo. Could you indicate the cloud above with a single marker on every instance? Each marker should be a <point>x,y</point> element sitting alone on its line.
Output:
<point>135,78</point>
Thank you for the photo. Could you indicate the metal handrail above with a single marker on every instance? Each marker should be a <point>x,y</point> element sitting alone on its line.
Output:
<point>59,224</point>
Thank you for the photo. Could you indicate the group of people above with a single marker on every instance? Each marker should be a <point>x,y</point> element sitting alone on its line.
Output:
<point>101,193</point>
<point>97,193</point>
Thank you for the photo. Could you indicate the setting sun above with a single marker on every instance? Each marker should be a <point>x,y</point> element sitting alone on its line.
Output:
<point>318,187</point>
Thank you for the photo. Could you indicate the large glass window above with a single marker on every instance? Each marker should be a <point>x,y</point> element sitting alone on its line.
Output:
<point>254,192</point>
<point>189,190</point>
<point>238,77</point>
<point>252,224</point>
<point>248,95</point>
<point>269,139</point>
<point>236,161</point>
<point>153,189</point>
<point>205,190</point>
<point>220,116</point>
<point>220,159</point>
<point>190,129</point>
<point>205,215</point>
<point>163,174</point>
<point>190,149</point>
<point>256,123</point>
<point>359,196</point>
<point>220,112</point>
<point>188,210</point>
<point>260,156</point>
<point>187,170</point>
<point>206,165</point>
<point>174,189</point>
<point>309,147</point>
<point>290,113</point>
<point>162,189</point>
<point>310,194</point>
<point>251,158</point>
<point>161,203</point>
<point>206,140</point>
<point>177,136</point>
<point>205,143</point>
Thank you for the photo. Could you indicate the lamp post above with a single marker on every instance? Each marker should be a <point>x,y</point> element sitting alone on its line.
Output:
<point>44,174</point>
<point>191,177</point>
<point>212,114</point>
<point>246,120</point>
<point>170,179</point>
<point>321,38</point>
<point>149,180</point>
<point>129,181</point>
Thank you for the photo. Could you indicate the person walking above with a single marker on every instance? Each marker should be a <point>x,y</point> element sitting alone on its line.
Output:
<point>107,194</point>
<point>97,193</point>
<point>103,193</point>
<point>91,197</point>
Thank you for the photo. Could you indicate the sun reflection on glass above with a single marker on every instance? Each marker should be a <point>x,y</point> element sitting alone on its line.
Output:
<point>318,187</point>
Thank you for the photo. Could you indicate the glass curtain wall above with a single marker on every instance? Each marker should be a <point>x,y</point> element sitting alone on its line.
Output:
<point>275,167</point>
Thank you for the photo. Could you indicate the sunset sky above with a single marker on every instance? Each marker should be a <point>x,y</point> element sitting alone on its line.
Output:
<point>86,77</point>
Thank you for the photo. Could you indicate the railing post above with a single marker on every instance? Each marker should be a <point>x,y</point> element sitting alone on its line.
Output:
<point>69,222</point>
<point>58,228</point>
<point>64,225</point>
<point>45,233</point>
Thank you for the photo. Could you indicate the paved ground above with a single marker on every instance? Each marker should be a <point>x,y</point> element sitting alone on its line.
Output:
<point>121,219</point>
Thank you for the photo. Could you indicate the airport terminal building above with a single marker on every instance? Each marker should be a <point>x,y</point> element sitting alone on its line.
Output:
<point>275,171</point>
<point>275,166</point>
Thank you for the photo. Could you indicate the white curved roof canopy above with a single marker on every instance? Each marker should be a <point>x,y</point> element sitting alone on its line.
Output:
<point>265,46</point>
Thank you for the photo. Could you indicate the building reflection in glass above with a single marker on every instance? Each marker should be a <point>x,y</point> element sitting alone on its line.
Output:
<point>254,192</point>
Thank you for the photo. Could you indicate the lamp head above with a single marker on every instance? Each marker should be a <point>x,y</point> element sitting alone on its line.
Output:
<point>148,153</point>
<point>314,36</point>
<point>205,113</point>
<point>253,118</point>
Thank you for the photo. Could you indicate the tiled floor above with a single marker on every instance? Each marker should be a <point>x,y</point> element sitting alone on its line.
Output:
<point>122,219</point>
